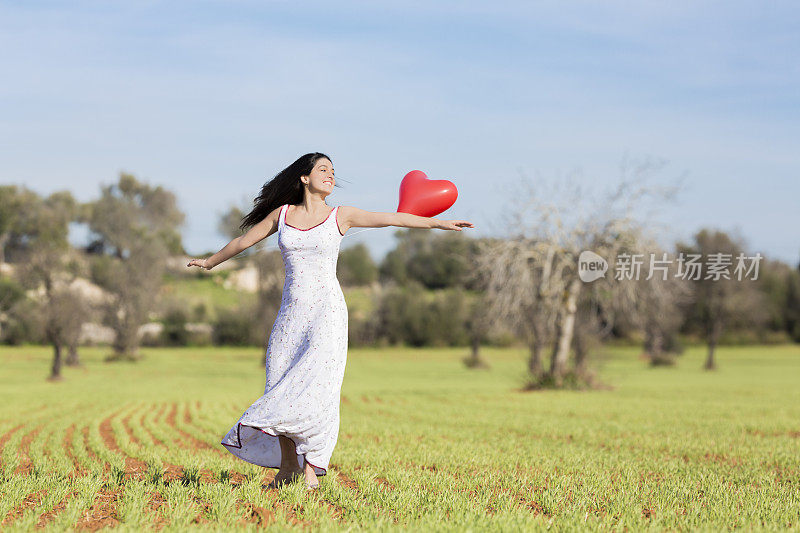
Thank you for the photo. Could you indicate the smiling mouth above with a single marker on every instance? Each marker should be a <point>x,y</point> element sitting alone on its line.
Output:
<point>328,181</point>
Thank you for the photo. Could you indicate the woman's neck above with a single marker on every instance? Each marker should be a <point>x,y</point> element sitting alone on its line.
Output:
<point>313,205</point>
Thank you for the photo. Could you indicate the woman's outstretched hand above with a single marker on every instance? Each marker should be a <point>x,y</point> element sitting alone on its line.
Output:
<point>455,225</point>
<point>202,263</point>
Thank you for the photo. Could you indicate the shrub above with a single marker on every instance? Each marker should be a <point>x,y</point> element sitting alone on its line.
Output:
<point>175,333</point>
<point>234,327</point>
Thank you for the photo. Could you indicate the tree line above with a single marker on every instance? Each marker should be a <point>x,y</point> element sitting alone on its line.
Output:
<point>432,289</point>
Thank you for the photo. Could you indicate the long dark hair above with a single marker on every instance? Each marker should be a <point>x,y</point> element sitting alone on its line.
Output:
<point>284,188</point>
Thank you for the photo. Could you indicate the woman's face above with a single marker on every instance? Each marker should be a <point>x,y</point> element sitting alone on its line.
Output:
<point>321,178</point>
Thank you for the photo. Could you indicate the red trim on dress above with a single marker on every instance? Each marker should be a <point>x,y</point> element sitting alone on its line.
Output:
<point>337,221</point>
<point>239,438</point>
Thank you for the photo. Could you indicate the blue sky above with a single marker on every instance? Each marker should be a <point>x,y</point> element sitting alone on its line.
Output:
<point>211,99</point>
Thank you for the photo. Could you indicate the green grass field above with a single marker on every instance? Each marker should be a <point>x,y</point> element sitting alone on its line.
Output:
<point>424,444</point>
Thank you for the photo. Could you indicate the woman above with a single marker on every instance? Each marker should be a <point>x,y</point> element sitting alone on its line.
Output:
<point>296,421</point>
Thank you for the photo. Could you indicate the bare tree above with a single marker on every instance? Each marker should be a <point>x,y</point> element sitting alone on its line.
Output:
<point>658,307</point>
<point>649,299</point>
<point>532,277</point>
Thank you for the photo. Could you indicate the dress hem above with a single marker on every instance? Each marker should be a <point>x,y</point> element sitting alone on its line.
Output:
<point>239,438</point>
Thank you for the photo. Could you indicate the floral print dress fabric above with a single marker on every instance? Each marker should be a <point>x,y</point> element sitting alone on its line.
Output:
<point>306,355</point>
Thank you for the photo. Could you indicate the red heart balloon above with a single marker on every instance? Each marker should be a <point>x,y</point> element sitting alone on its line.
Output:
<point>423,197</point>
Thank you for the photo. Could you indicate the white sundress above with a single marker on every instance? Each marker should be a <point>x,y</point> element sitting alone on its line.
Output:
<point>306,355</point>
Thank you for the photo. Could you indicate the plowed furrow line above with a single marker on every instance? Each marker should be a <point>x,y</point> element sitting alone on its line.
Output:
<point>90,452</point>
<point>126,424</point>
<point>50,515</point>
<point>155,503</point>
<point>138,432</point>
<point>171,471</point>
<point>4,439</point>
<point>138,468</point>
<point>193,442</point>
<point>160,414</point>
<point>162,418</point>
<point>103,512</point>
<point>31,500</point>
<point>156,441</point>
<point>133,466</point>
<point>25,463</point>
<point>76,465</point>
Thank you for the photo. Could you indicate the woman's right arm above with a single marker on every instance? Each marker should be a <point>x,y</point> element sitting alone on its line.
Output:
<point>258,232</point>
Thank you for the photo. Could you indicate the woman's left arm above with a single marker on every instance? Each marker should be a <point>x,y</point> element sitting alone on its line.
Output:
<point>352,217</point>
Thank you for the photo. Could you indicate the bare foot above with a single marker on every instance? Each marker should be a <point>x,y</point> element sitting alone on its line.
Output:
<point>311,477</point>
<point>283,477</point>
